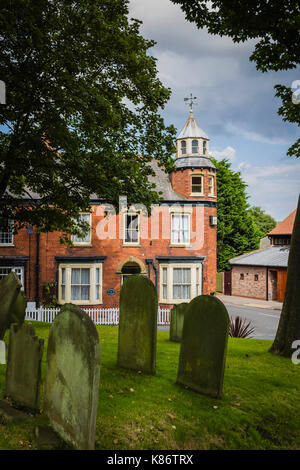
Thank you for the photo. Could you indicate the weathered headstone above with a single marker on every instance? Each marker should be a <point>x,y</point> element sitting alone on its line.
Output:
<point>138,325</point>
<point>72,377</point>
<point>203,345</point>
<point>2,352</point>
<point>18,309</point>
<point>10,286</point>
<point>176,321</point>
<point>23,372</point>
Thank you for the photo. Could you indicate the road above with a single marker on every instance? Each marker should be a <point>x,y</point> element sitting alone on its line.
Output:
<point>265,321</point>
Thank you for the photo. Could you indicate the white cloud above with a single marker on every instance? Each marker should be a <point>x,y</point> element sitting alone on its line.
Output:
<point>275,188</point>
<point>249,135</point>
<point>229,153</point>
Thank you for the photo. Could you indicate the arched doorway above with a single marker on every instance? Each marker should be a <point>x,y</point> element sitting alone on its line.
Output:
<point>130,266</point>
<point>129,269</point>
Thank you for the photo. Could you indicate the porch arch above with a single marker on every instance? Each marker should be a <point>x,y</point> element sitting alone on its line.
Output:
<point>131,261</point>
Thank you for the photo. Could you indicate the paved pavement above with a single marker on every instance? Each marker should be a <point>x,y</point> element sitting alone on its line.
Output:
<point>245,301</point>
<point>264,315</point>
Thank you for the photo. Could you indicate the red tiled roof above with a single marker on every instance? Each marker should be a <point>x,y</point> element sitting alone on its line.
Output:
<point>286,226</point>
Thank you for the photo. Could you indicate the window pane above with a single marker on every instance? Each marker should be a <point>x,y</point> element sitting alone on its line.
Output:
<point>183,146</point>
<point>194,146</point>
<point>196,184</point>
<point>85,276</point>
<point>181,283</point>
<point>63,276</point>
<point>180,228</point>
<point>131,228</point>
<point>86,237</point>
<point>177,292</point>
<point>97,286</point>
<point>75,276</point>
<point>165,275</point>
<point>6,232</point>
<point>75,292</point>
<point>63,292</point>
<point>186,276</point>
<point>165,292</point>
<point>85,293</point>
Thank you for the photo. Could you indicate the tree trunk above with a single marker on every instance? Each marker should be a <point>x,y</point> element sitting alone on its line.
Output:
<point>289,324</point>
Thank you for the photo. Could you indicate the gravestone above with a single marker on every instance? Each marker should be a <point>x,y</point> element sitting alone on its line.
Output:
<point>23,372</point>
<point>203,345</point>
<point>176,322</point>
<point>72,377</point>
<point>2,352</point>
<point>18,309</point>
<point>138,325</point>
<point>10,286</point>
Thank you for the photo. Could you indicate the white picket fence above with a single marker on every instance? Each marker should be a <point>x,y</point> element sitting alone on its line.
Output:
<point>100,316</point>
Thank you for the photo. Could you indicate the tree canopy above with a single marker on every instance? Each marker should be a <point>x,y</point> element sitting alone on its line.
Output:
<point>237,232</point>
<point>264,222</point>
<point>276,26</point>
<point>82,110</point>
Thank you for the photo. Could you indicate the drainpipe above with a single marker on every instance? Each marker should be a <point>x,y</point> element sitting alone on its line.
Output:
<point>37,270</point>
<point>156,276</point>
<point>267,285</point>
<point>149,262</point>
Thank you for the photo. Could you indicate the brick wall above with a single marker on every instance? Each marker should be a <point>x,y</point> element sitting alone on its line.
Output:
<point>249,287</point>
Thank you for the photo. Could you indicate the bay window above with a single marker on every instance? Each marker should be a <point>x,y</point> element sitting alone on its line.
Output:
<point>180,282</point>
<point>80,283</point>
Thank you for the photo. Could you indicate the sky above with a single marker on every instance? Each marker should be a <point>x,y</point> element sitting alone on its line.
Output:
<point>236,104</point>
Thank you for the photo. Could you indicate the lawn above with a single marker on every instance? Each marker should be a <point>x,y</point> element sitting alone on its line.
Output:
<point>260,407</point>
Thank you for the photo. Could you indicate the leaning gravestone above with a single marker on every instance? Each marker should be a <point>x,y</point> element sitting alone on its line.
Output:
<point>9,289</point>
<point>23,373</point>
<point>176,321</point>
<point>72,377</point>
<point>138,325</point>
<point>203,346</point>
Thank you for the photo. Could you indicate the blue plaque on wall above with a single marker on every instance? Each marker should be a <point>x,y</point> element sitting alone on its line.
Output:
<point>111,291</point>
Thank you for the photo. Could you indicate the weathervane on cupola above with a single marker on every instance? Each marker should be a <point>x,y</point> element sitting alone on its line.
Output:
<point>191,100</point>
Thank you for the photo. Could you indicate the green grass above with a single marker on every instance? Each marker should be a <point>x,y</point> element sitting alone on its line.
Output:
<point>260,407</point>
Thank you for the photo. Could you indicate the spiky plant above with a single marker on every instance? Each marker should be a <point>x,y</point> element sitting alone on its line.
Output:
<point>240,327</point>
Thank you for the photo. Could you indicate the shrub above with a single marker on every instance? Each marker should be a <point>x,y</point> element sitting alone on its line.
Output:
<point>240,327</point>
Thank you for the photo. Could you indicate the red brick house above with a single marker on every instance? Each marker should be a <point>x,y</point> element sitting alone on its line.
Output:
<point>175,246</point>
<point>262,274</point>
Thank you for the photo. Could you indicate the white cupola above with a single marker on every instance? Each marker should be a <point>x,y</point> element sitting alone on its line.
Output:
<point>192,140</point>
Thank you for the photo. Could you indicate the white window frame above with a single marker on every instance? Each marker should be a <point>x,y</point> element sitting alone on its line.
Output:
<point>212,191</point>
<point>15,270</point>
<point>194,146</point>
<point>8,233</point>
<point>131,243</point>
<point>183,146</point>
<point>196,284</point>
<point>197,175</point>
<point>181,243</point>
<point>68,270</point>
<point>88,242</point>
